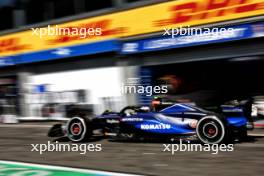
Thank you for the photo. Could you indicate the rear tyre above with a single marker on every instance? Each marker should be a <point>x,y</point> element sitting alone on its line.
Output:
<point>212,130</point>
<point>79,129</point>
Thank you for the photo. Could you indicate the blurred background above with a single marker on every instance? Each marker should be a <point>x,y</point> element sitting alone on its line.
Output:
<point>49,78</point>
<point>44,78</point>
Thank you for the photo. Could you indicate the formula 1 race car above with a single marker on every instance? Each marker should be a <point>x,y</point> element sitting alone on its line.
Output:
<point>162,120</point>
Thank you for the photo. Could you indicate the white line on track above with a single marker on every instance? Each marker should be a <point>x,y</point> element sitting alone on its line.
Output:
<point>251,145</point>
<point>24,126</point>
<point>160,165</point>
<point>254,134</point>
<point>148,153</point>
<point>61,168</point>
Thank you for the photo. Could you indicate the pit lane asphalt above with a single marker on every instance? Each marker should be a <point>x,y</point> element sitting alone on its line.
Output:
<point>134,157</point>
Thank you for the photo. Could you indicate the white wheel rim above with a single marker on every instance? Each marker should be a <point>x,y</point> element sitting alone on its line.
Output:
<point>220,123</point>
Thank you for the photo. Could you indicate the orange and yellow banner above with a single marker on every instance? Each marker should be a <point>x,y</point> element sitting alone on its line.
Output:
<point>138,21</point>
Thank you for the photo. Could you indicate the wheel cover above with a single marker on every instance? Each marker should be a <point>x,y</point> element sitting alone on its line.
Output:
<point>210,129</point>
<point>76,129</point>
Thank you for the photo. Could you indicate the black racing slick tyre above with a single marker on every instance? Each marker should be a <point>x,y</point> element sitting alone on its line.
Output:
<point>212,130</point>
<point>56,131</point>
<point>79,129</point>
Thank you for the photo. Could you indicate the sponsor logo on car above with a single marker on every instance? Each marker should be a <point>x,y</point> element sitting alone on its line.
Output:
<point>132,120</point>
<point>155,126</point>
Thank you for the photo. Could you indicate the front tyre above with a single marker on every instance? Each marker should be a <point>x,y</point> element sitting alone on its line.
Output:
<point>211,130</point>
<point>78,129</point>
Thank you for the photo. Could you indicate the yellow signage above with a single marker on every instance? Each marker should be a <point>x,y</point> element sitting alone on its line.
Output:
<point>138,21</point>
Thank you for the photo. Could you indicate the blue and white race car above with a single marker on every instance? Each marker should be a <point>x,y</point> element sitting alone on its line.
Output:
<point>163,120</point>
